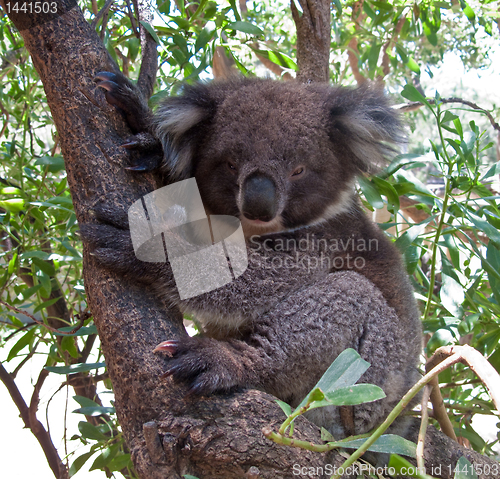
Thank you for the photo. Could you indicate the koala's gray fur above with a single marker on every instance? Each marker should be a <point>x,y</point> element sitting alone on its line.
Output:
<point>282,157</point>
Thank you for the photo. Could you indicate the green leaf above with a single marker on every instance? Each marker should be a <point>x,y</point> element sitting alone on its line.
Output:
<point>413,65</point>
<point>245,27</point>
<point>448,116</point>
<point>298,6</point>
<point>90,431</point>
<point>10,190</point>
<point>452,295</point>
<point>338,6</point>
<point>493,257</point>
<point>344,371</point>
<point>74,368</point>
<point>485,227</point>
<point>54,163</point>
<point>203,38</point>
<point>374,54</point>
<point>79,462</point>
<point>389,192</point>
<point>286,408</point>
<point>464,469</point>
<point>316,395</point>
<point>181,23</point>
<point>68,344</point>
<point>21,343</point>
<point>120,462</point>
<point>411,93</point>
<point>44,279</point>
<point>25,294</point>
<point>106,456</point>
<point>45,266</point>
<point>326,435</point>
<point>468,12</point>
<point>350,396</point>
<point>493,171</point>
<point>370,193</point>
<point>35,254</point>
<point>409,236</point>
<point>387,443</point>
<point>235,9</point>
<point>278,58</point>
<point>404,468</point>
<point>442,337</point>
<point>85,402</point>
<point>150,30</point>
<point>12,264</point>
<point>94,410</point>
<point>14,205</point>
<point>83,331</point>
<point>45,304</point>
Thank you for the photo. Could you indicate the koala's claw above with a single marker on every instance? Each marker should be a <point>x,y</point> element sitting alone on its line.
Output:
<point>131,145</point>
<point>170,346</point>
<point>107,85</point>
<point>105,76</point>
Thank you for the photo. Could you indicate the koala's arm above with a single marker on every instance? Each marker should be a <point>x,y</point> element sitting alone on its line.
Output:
<point>271,275</point>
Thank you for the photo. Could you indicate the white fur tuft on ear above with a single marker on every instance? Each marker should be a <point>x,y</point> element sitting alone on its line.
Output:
<point>173,122</point>
<point>363,121</point>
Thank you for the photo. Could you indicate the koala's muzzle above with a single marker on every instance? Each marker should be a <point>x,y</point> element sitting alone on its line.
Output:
<point>259,198</point>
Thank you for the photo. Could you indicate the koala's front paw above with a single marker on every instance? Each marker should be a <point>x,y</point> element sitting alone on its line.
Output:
<point>127,98</point>
<point>111,244</point>
<point>149,149</point>
<point>207,365</point>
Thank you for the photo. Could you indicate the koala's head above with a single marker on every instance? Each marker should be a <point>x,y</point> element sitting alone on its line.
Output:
<point>277,155</point>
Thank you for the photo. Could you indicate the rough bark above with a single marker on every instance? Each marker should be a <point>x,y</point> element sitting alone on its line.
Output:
<point>67,54</point>
<point>313,39</point>
<point>168,433</point>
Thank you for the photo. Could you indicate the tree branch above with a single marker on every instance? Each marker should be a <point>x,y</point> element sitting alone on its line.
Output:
<point>149,64</point>
<point>416,105</point>
<point>31,422</point>
<point>313,40</point>
<point>352,48</point>
<point>388,46</point>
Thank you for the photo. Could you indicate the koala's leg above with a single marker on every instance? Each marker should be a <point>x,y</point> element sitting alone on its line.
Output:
<point>287,349</point>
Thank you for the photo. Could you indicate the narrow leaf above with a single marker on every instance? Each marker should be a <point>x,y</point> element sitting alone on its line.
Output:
<point>388,443</point>
<point>74,368</point>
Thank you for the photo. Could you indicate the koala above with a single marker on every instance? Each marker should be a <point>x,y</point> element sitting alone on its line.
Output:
<point>283,158</point>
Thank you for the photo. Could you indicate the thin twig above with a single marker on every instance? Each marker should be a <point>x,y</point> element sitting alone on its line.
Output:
<point>101,12</point>
<point>388,47</point>
<point>34,425</point>
<point>423,428</point>
<point>416,105</point>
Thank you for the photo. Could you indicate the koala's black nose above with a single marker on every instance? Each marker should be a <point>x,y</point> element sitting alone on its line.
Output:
<point>259,198</point>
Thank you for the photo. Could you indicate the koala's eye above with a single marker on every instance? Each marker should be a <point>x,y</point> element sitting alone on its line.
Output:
<point>298,172</point>
<point>232,167</point>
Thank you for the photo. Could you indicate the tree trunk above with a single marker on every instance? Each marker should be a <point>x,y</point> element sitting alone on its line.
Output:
<point>168,433</point>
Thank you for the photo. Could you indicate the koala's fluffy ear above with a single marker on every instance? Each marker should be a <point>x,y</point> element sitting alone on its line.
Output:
<point>363,126</point>
<point>178,124</point>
